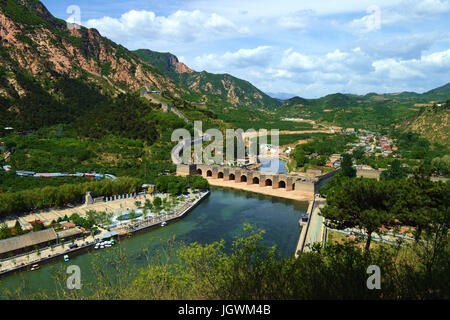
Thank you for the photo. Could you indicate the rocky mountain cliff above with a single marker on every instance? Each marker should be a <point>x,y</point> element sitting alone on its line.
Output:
<point>35,42</point>
<point>231,89</point>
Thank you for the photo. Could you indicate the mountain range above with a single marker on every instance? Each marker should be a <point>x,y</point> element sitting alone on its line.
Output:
<point>40,57</point>
<point>231,89</point>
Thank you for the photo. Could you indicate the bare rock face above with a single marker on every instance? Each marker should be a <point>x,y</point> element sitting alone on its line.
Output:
<point>44,46</point>
<point>180,67</point>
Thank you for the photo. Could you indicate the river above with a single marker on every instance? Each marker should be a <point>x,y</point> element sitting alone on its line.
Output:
<point>272,165</point>
<point>220,216</point>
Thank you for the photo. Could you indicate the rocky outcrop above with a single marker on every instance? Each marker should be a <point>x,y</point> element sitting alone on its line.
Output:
<point>46,48</point>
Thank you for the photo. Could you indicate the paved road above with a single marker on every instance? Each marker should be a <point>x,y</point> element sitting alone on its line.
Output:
<point>146,94</point>
<point>316,227</point>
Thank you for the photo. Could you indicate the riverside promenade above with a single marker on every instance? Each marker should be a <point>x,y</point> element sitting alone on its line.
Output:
<point>315,230</point>
<point>24,262</point>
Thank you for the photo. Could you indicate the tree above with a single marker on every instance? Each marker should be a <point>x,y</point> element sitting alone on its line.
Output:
<point>361,203</point>
<point>132,216</point>
<point>5,232</point>
<point>421,202</point>
<point>395,171</point>
<point>18,228</point>
<point>148,204</point>
<point>347,166</point>
<point>157,202</point>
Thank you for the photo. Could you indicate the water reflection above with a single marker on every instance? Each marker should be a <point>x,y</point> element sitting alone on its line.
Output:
<point>274,165</point>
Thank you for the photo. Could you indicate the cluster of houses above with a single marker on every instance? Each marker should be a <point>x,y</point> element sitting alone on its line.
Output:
<point>373,143</point>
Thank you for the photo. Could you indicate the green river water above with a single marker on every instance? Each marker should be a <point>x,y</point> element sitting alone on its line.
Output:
<point>220,216</point>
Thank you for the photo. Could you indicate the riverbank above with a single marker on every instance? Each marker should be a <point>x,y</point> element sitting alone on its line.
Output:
<point>281,193</point>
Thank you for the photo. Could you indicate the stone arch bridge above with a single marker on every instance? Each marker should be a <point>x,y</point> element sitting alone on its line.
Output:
<point>289,182</point>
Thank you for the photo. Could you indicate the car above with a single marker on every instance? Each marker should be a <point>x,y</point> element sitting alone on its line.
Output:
<point>73,246</point>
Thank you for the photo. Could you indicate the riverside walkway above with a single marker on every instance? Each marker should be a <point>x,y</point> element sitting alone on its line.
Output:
<point>315,230</point>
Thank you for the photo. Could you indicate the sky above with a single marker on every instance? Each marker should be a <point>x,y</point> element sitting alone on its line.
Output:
<point>296,47</point>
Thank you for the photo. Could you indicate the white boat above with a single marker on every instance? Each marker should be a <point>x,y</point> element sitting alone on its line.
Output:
<point>102,247</point>
<point>66,258</point>
<point>163,223</point>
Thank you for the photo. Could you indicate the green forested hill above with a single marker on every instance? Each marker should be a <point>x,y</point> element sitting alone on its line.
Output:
<point>370,111</point>
<point>231,89</point>
<point>432,123</point>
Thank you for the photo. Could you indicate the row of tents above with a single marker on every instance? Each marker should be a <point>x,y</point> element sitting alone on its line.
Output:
<point>92,175</point>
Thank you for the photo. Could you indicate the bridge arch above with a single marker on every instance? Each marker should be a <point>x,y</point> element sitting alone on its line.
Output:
<point>209,173</point>
<point>268,182</point>
<point>243,178</point>
<point>282,184</point>
<point>255,180</point>
<point>232,176</point>
<point>220,175</point>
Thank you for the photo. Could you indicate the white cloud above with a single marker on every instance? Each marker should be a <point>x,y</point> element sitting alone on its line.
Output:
<point>306,47</point>
<point>242,58</point>
<point>297,61</point>
<point>438,62</point>
<point>181,26</point>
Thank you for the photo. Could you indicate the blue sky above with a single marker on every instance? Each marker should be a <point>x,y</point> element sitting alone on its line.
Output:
<point>305,48</point>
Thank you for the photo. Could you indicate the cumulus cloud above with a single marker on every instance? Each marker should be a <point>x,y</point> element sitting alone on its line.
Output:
<point>242,58</point>
<point>427,65</point>
<point>307,48</point>
<point>181,26</point>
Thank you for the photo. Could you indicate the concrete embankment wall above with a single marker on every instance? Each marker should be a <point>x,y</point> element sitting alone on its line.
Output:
<point>372,174</point>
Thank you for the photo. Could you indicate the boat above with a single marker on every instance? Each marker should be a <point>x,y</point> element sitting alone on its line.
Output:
<point>102,246</point>
<point>163,223</point>
<point>34,267</point>
<point>66,258</point>
<point>303,220</point>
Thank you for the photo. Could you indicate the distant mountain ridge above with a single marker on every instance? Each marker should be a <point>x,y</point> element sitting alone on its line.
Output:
<point>231,89</point>
<point>439,94</point>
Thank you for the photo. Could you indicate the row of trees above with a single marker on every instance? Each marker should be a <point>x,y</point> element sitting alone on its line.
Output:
<point>176,184</point>
<point>16,202</point>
